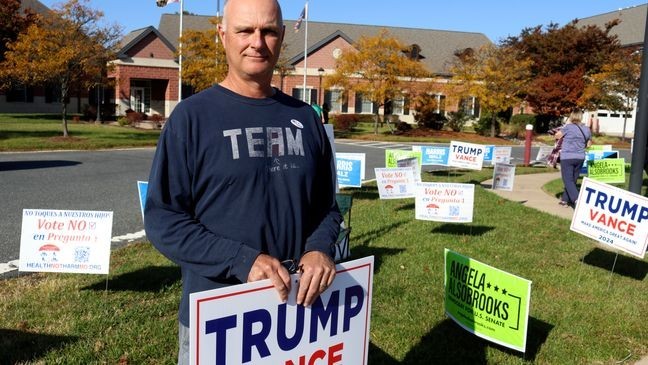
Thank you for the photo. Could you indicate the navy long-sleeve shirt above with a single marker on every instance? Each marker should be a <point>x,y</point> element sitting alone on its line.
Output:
<point>234,177</point>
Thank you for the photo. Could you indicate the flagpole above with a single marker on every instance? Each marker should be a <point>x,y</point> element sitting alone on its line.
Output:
<point>180,53</point>
<point>305,50</point>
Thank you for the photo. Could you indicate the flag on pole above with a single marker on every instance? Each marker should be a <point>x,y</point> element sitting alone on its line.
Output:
<point>300,19</point>
<point>161,3</point>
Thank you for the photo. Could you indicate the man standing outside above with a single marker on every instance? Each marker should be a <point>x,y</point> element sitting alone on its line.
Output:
<point>242,188</point>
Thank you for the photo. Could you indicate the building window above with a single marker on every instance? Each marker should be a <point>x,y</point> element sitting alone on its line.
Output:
<point>20,94</point>
<point>470,106</point>
<point>398,106</point>
<point>363,105</point>
<point>337,101</point>
<point>311,94</point>
<point>441,101</point>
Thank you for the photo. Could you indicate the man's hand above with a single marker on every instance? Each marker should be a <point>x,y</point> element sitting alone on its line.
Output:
<point>318,272</point>
<point>267,267</point>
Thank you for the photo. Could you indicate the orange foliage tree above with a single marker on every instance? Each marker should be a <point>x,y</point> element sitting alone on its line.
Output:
<point>68,48</point>
<point>498,77</point>
<point>203,61</point>
<point>378,68</point>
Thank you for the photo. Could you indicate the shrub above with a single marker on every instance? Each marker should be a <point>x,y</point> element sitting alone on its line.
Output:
<point>403,126</point>
<point>434,121</point>
<point>134,117</point>
<point>483,125</point>
<point>344,122</point>
<point>426,115</point>
<point>517,126</point>
<point>123,121</point>
<point>157,119</point>
<point>457,120</point>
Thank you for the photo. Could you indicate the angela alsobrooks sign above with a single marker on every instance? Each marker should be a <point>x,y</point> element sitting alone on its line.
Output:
<point>247,324</point>
<point>487,301</point>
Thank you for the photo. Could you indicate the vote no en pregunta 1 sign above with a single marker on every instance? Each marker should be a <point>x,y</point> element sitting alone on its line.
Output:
<point>68,241</point>
<point>487,301</point>
<point>444,202</point>
<point>612,216</point>
<point>248,324</point>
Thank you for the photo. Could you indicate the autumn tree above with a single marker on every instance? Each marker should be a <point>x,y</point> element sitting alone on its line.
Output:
<point>68,48</point>
<point>12,22</point>
<point>203,61</point>
<point>497,76</point>
<point>616,86</point>
<point>562,60</point>
<point>378,67</point>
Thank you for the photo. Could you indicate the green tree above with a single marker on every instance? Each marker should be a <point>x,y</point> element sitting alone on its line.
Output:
<point>562,61</point>
<point>379,68</point>
<point>68,48</point>
<point>497,76</point>
<point>203,61</point>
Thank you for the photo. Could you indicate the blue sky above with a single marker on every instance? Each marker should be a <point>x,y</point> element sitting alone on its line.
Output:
<point>496,19</point>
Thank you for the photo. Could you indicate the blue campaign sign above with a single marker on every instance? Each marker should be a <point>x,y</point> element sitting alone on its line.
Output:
<point>433,155</point>
<point>349,171</point>
<point>488,153</point>
<point>142,188</point>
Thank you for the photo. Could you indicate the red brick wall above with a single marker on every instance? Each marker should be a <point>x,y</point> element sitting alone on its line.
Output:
<point>124,73</point>
<point>151,47</point>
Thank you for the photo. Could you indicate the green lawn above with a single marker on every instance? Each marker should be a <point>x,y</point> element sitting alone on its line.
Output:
<point>580,312</point>
<point>30,132</point>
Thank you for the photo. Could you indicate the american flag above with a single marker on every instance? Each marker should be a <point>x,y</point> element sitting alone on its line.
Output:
<point>300,19</point>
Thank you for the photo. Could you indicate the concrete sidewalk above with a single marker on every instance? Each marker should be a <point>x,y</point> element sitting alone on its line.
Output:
<point>528,191</point>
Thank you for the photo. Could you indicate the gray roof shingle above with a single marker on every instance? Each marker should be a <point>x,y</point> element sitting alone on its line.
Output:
<point>35,5</point>
<point>437,46</point>
<point>631,29</point>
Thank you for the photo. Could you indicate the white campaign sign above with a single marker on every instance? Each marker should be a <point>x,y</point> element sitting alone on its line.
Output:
<point>395,183</point>
<point>543,153</point>
<point>612,216</point>
<point>503,176</point>
<point>502,154</point>
<point>466,155</point>
<point>444,202</point>
<point>248,324</point>
<point>69,241</point>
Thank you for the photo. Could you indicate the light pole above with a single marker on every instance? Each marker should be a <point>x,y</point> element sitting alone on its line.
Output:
<point>320,72</point>
<point>161,3</point>
<point>99,90</point>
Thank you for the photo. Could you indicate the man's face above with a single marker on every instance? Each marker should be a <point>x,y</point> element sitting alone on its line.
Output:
<point>252,36</point>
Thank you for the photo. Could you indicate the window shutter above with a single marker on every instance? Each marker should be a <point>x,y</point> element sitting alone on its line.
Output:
<point>358,103</point>
<point>29,94</point>
<point>313,96</point>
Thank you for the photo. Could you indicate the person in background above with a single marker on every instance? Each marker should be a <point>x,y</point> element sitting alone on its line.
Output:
<point>318,110</point>
<point>593,123</point>
<point>325,113</point>
<point>242,183</point>
<point>576,137</point>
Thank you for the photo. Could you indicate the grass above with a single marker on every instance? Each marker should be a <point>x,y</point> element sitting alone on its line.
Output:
<point>556,187</point>
<point>31,132</point>
<point>580,312</point>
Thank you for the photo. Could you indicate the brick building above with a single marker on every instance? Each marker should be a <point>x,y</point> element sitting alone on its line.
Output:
<point>147,70</point>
